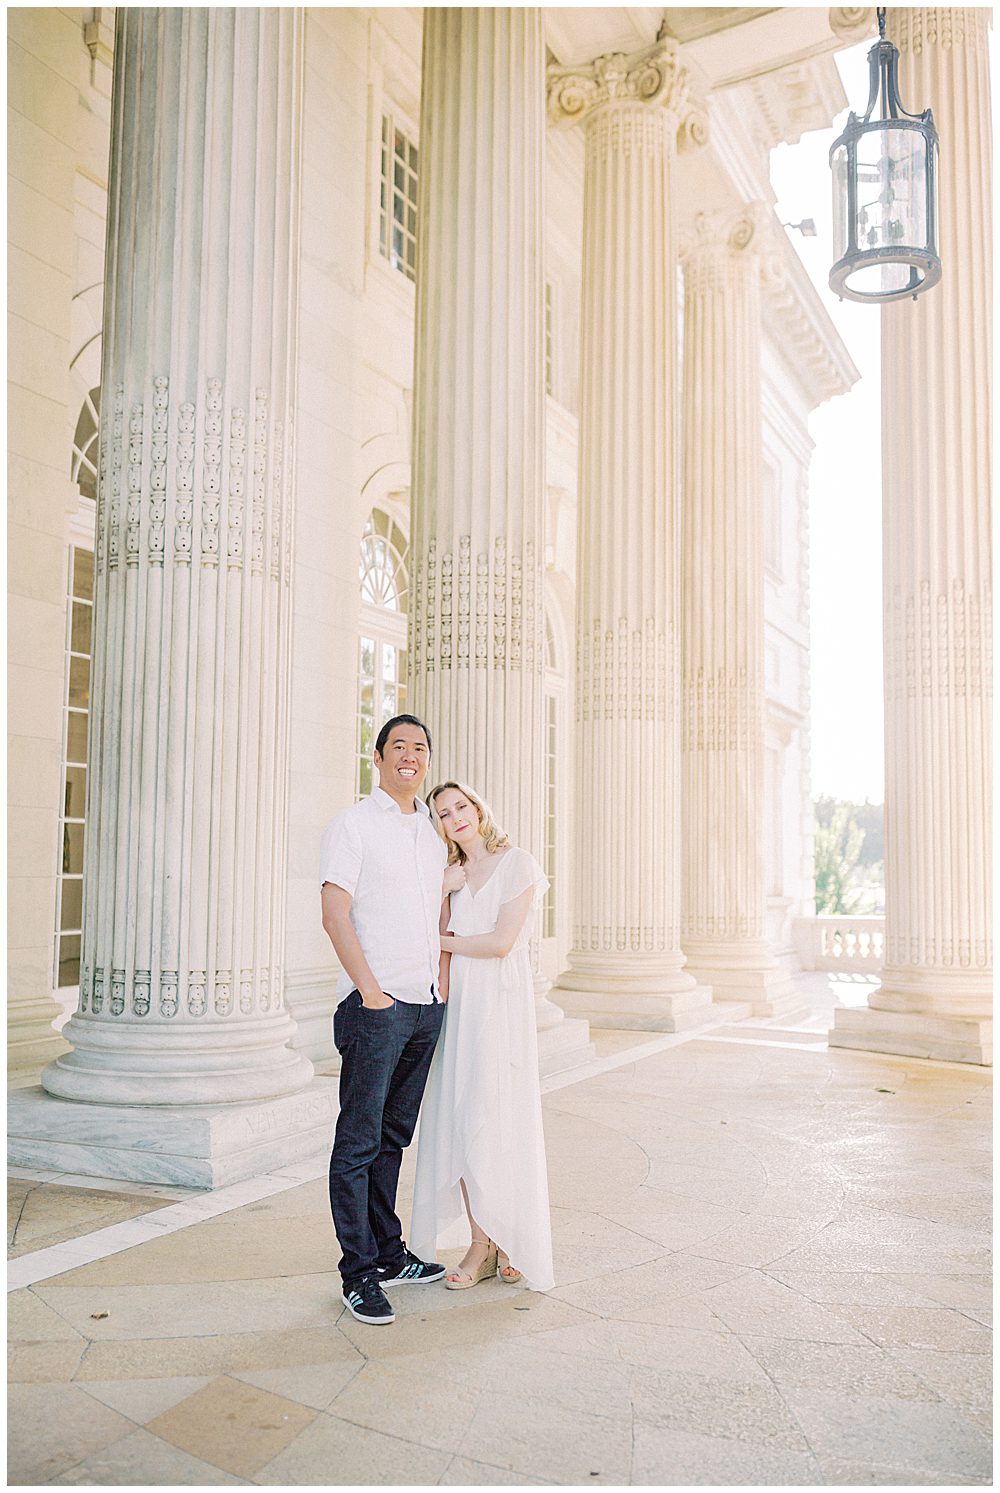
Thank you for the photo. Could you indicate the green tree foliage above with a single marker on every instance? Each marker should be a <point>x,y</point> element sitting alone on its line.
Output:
<point>838,849</point>
<point>869,817</point>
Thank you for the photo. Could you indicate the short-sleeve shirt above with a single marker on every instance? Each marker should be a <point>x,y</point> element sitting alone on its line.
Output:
<point>393,866</point>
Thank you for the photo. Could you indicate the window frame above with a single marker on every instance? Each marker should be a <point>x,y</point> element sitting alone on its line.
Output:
<point>388,109</point>
<point>80,539</point>
<point>385,628</point>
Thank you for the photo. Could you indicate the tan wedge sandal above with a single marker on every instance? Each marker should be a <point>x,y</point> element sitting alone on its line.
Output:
<point>503,1263</point>
<point>483,1272</point>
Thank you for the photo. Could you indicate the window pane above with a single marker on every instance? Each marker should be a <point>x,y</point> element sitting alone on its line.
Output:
<point>79,682</point>
<point>83,574</point>
<point>399,177</point>
<point>75,798</point>
<point>72,902</point>
<point>73,849</point>
<point>389,665</point>
<point>69,960</point>
<point>367,659</point>
<point>76,734</point>
<point>81,627</point>
<point>366,736</point>
<point>365,776</point>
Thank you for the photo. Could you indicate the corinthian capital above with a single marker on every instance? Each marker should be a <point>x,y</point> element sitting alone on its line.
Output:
<point>747,230</point>
<point>852,23</point>
<point>653,76</point>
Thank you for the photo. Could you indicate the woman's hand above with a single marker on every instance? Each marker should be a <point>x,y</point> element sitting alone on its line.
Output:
<point>454,879</point>
<point>448,943</point>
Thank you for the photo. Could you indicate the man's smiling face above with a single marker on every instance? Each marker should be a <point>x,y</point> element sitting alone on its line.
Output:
<point>404,762</point>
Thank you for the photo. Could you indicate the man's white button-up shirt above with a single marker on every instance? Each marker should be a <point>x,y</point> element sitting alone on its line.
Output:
<point>393,866</point>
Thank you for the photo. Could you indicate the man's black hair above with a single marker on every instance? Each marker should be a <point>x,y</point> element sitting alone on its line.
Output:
<point>401,720</point>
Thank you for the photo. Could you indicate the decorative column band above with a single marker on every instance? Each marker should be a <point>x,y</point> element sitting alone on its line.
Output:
<point>917,28</point>
<point>166,523</point>
<point>476,611</point>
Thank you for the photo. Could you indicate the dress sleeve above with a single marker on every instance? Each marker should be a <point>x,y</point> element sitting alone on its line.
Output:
<point>521,872</point>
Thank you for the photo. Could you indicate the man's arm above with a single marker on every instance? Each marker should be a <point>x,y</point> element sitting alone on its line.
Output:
<point>337,922</point>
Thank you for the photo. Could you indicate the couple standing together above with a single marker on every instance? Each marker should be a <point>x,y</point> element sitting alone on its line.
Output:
<point>430,910</point>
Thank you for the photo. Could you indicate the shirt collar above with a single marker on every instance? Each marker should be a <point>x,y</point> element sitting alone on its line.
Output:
<point>383,800</point>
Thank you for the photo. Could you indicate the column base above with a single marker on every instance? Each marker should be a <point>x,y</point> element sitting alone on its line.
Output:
<point>954,1039</point>
<point>206,1062</point>
<point>311,998</point>
<point>31,1040</point>
<point>203,1146</point>
<point>564,1046</point>
<point>627,1010</point>
<point>769,989</point>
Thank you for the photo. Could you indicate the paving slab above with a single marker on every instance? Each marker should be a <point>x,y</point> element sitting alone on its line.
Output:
<point>768,1274</point>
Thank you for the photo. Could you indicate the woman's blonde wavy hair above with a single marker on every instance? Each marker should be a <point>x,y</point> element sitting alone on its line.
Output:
<point>493,835</point>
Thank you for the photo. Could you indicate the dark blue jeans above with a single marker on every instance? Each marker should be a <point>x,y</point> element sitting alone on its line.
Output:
<point>385,1058</point>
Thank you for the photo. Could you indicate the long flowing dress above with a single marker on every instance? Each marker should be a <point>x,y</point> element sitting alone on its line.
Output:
<point>481,1119</point>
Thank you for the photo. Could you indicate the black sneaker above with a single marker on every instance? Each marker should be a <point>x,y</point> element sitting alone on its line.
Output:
<point>412,1272</point>
<point>366,1300</point>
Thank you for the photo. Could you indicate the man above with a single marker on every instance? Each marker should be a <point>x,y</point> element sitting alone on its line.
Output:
<point>381,867</point>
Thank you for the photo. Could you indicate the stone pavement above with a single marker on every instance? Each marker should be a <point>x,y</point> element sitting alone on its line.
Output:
<point>772,1265</point>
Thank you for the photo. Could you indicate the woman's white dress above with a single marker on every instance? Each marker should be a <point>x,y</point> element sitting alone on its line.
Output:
<point>481,1119</point>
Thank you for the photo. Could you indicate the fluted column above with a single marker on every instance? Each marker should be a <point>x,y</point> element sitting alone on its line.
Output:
<point>724,833</point>
<point>626,965</point>
<point>936,994</point>
<point>183,942</point>
<point>476,651</point>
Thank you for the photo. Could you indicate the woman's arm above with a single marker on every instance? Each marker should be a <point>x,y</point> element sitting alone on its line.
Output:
<point>444,972</point>
<point>498,944</point>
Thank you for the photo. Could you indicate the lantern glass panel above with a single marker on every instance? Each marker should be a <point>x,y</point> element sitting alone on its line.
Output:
<point>892,190</point>
<point>841,167</point>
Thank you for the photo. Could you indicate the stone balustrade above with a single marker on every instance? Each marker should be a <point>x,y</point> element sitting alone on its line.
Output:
<point>853,945</point>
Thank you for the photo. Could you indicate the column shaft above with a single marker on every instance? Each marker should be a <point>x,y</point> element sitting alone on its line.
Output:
<point>181,980</point>
<point>476,634</point>
<point>476,650</point>
<point>724,892</point>
<point>626,961</point>
<point>935,998</point>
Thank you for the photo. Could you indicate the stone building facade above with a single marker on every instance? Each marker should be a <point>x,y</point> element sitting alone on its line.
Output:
<point>451,358</point>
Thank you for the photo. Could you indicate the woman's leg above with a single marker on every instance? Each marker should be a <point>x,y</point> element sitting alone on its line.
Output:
<point>477,1251</point>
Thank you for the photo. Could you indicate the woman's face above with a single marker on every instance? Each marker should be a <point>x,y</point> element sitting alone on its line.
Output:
<point>459,818</point>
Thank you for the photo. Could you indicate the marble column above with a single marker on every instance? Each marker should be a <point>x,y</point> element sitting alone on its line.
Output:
<point>626,964</point>
<point>724,899</point>
<point>181,998</point>
<point>935,999</point>
<point>476,650</point>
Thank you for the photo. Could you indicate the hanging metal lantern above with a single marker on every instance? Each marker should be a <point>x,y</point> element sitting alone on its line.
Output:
<point>885,193</point>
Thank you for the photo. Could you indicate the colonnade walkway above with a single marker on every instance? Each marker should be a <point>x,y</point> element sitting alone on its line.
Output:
<point>772,1269</point>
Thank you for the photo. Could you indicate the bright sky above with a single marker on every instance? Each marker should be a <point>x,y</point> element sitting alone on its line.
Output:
<point>844,489</point>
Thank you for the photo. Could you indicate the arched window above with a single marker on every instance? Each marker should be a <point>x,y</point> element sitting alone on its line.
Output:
<point>382,646</point>
<point>83,463</point>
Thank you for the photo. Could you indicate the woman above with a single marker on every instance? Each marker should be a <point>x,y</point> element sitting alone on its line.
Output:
<point>481,1159</point>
